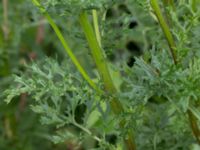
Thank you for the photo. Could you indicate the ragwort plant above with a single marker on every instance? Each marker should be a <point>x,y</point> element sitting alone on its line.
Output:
<point>152,105</point>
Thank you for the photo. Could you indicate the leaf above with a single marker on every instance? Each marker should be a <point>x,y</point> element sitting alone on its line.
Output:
<point>95,116</point>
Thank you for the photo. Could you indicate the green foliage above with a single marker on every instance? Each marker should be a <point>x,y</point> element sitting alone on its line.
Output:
<point>59,93</point>
<point>134,87</point>
<point>76,6</point>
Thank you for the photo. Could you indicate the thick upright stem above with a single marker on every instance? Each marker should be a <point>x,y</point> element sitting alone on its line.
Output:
<point>194,125</point>
<point>103,70</point>
<point>96,26</point>
<point>165,28</point>
<point>97,53</point>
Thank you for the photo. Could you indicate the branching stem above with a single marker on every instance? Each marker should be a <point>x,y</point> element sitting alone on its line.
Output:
<point>109,85</point>
<point>66,47</point>
<point>172,46</point>
<point>86,131</point>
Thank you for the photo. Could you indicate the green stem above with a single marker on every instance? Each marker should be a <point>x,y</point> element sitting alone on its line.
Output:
<point>165,28</point>
<point>66,47</point>
<point>191,116</point>
<point>103,70</point>
<point>97,53</point>
<point>96,26</point>
<point>86,131</point>
<point>194,5</point>
<point>109,86</point>
<point>194,125</point>
<point>7,126</point>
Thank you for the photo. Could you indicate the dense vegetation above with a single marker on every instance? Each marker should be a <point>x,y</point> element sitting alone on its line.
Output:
<point>100,74</point>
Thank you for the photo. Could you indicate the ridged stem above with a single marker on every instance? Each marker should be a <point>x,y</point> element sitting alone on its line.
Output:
<point>156,8</point>
<point>97,53</point>
<point>96,26</point>
<point>194,125</point>
<point>103,70</point>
